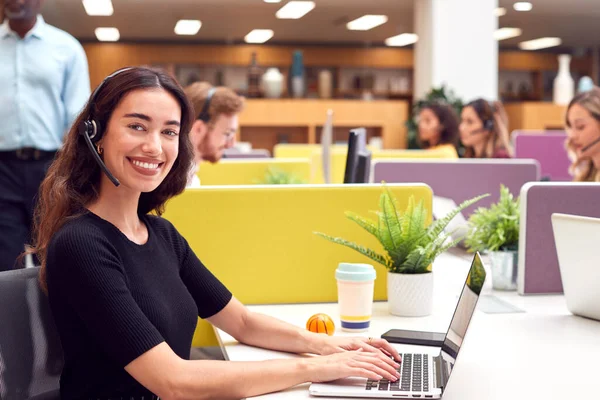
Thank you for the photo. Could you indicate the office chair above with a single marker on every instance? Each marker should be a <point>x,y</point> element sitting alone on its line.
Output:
<point>31,356</point>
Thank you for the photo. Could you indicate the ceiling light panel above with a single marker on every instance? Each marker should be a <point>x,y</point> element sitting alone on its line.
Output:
<point>295,9</point>
<point>403,39</point>
<point>258,36</point>
<point>367,22</point>
<point>187,26</point>
<point>98,7</point>
<point>107,34</point>
<point>541,43</point>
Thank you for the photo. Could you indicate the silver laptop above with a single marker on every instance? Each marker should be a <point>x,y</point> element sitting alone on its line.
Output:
<point>577,240</point>
<point>422,375</point>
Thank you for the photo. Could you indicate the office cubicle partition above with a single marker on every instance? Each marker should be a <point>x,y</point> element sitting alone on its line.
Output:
<point>538,262</point>
<point>462,179</point>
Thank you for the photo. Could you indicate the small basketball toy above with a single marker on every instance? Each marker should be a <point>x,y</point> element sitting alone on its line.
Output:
<point>321,323</point>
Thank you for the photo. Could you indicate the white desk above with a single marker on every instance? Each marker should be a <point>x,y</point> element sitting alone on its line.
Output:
<point>545,353</point>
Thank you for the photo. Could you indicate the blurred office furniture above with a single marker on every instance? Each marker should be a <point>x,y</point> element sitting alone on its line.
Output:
<point>538,262</point>
<point>252,171</point>
<point>30,350</point>
<point>548,148</point>
<point>462,179</point>
<point>260,242</point>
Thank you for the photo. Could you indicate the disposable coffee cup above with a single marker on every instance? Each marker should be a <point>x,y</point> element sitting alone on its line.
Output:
<point>355,283</point>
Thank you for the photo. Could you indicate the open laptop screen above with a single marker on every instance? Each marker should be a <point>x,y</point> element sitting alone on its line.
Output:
<point>464,310</point>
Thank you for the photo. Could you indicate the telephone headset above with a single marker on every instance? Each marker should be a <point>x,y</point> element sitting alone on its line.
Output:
<point>204,116</point>
<point>92,132</point>
<point>488,124</point>
<point>595,142</point>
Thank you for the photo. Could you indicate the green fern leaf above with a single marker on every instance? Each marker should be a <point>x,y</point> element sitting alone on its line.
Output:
<point>361,249</point>
<point>439,225</point>
<point>365,223</point>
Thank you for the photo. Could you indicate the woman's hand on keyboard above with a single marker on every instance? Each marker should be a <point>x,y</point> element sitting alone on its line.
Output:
<point>355,363</point>
<point>338,344</point>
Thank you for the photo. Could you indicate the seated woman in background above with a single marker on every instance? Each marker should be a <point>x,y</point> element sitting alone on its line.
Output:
<point>484,130</point>
<point>583,135</point>
<point>438,128</point>
<point>126,289</point>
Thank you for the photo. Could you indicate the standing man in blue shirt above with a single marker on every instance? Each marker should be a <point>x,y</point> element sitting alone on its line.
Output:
<point>44,84</point>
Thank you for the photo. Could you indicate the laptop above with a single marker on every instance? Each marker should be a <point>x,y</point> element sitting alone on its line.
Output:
<point>576,240</point>
<point>458,226</point>
<point>423,375</point>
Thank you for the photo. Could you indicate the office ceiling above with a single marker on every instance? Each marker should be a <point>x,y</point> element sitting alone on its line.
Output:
<point>228,21</point>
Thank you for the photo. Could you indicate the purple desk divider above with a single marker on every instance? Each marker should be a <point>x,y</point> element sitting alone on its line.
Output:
<point>256,153</point>
<point>461,179</point>
<point>549,149</point>
<point>538,261</point>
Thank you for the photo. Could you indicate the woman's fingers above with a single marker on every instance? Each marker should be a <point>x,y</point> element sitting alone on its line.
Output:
<point>384,345</point>
<point>380,363</point>
<point>377,370</point>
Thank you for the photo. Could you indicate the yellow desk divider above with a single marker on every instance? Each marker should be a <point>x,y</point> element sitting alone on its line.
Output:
<point>252,171</point>
<point>259,240</point>
<point>403,153</point>
<point>298,150</point>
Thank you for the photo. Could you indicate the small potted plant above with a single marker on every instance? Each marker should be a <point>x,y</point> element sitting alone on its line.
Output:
<point>276,176</point>
<point>411,247</point>
<point>495,230</point>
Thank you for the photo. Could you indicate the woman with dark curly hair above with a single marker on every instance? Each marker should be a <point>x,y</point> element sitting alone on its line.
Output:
<point>438,128</point>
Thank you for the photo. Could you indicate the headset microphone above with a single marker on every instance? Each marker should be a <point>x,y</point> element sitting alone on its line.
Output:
<point>92,132</point>
<point>590,145</point>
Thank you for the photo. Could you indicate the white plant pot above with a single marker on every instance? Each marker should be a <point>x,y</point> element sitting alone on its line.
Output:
<point>410,295</point>
<point>564,86</point>
<point>504,265</point>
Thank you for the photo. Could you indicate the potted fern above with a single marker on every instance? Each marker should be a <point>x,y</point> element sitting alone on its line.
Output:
<point>495,230</point>
<point>411,247</point>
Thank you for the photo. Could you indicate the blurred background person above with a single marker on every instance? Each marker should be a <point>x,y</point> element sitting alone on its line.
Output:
<point>484,130</point>
<point>438,128</point>
<point>583,135</point>
<point>216,110</point>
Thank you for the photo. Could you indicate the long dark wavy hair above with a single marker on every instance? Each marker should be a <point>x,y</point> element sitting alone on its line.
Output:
<point>499,137</point>
<point>448,120</point>
<point>73,179</point>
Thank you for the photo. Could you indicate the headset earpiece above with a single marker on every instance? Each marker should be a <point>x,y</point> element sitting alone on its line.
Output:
<point>488,125</point>
<point>204,115</point>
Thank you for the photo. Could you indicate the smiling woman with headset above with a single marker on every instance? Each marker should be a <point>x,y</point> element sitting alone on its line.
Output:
<point>583,135</point>
<point>484,130</point>
<point>125,288</point>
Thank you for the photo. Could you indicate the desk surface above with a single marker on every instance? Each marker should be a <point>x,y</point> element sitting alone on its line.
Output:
<point>543,353</point>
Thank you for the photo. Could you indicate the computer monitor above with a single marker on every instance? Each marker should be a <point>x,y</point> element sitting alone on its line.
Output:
<point>357,144</point>
<point>363,168</point>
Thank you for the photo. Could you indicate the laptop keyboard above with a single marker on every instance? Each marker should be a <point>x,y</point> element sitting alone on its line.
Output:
<point>414,376</point>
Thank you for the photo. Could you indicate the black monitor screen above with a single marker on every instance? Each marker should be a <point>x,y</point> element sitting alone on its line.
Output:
<point>357,144</point>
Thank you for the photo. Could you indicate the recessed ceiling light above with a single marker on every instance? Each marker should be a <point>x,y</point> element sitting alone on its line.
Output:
<point>523,6</point>
<point>295,9</point>
<point>366,22</point>
<point>507,33</point>
<point>187,26</point>
<point>272,1</point>
<point>258,36</point>
<point>403,39</point>
<point>107,34</point>
<point>98,7</point>
<point>500,12</point>
<point>541,43</point>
